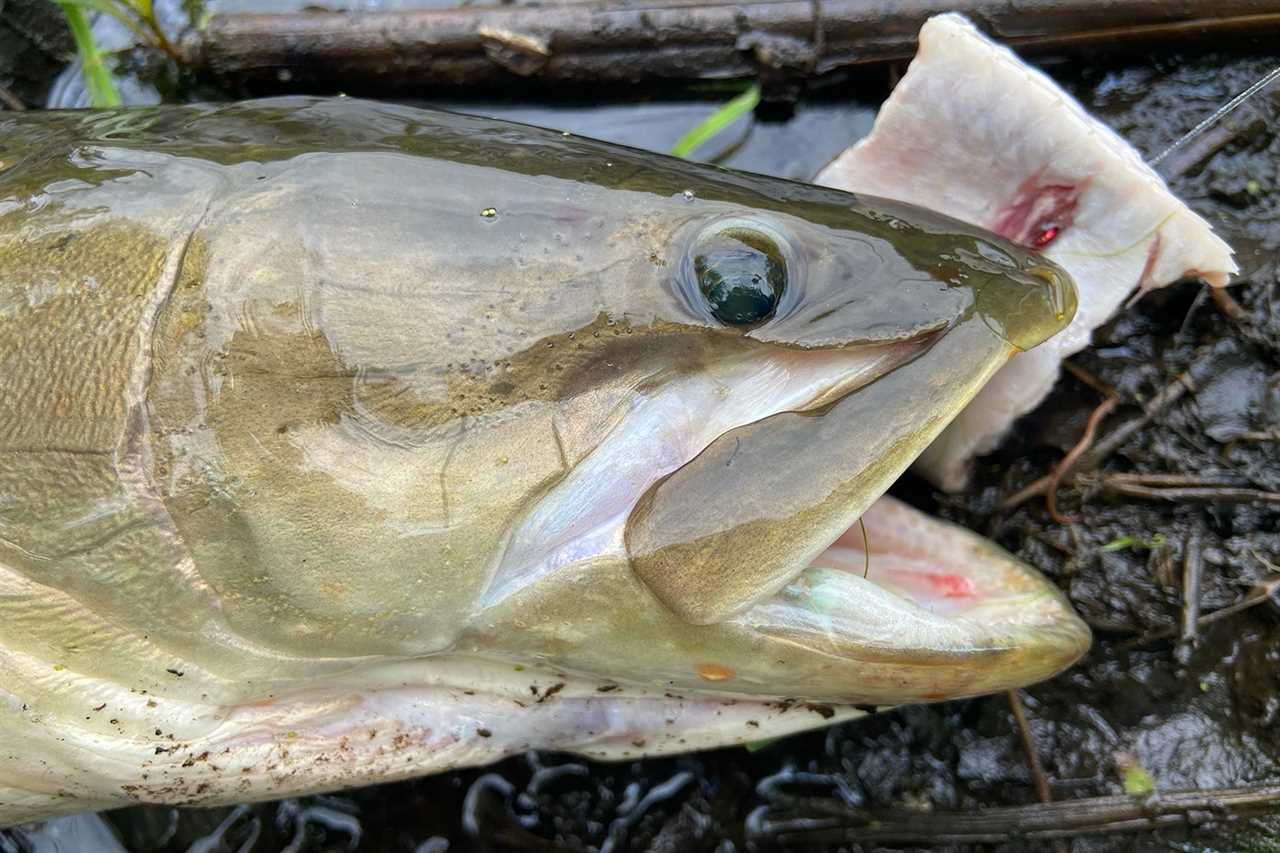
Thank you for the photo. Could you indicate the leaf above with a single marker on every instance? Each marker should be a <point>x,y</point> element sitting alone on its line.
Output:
<point>763,743</point>
<point>706,130</point>
<point>102,89</point>
<point>1137,781</point>
<point>1123,542</point>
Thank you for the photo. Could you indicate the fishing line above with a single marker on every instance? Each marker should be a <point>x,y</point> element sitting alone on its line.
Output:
<point>1219,114</point>
<point>866,549</point>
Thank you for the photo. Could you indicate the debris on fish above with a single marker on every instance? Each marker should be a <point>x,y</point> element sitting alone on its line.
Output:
<point>974,132</point>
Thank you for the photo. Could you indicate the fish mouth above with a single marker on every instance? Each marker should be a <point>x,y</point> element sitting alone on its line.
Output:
<point>947,612</point>
<point>922,610</point>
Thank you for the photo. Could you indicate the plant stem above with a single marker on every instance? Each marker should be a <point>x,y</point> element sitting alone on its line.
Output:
<point>102,89</point>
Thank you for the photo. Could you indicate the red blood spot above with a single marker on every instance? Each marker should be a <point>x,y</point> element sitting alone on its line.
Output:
<point>1040,211</point>
<point>1045,237</point>
<point>951,586</point>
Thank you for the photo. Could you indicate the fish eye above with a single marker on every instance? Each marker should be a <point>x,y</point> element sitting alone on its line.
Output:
<point>741,272</point>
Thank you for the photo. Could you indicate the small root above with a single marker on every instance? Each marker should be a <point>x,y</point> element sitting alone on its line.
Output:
<point>1069,461</point>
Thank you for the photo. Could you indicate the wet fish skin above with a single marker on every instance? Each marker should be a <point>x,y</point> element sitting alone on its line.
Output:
<point>323,426</point>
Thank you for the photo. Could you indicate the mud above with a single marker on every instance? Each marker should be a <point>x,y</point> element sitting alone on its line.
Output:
<point>1192,714</point>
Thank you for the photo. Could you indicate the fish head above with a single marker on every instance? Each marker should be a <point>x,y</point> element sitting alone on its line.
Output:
<point>591,408</point>
<point>794,357</point>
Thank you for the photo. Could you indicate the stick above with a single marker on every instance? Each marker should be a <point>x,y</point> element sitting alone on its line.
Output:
<point>11,100</point>
<point>1063,819</point>
<point>1029,749</point>
<point>610,40</point>
<point>1192,567</point>
<point>1228,306</point>
<point>1265,590</point>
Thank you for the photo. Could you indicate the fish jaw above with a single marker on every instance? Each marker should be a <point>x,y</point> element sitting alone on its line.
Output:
<point>1064,184</point>
<point>936,608</point>
<point>939,607</point>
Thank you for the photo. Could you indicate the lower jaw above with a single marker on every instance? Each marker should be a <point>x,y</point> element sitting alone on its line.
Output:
<point>950,611</point>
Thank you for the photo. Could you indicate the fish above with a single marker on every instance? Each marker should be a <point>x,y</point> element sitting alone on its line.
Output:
<point>343,442</point>
<point>1044,173</point>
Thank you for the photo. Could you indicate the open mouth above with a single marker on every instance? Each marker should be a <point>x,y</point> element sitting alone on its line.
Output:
<point>919,593</point>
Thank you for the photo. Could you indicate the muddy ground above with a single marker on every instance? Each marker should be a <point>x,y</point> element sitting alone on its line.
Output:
<point>1192,715</point>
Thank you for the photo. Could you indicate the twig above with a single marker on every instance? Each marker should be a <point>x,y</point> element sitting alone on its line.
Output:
<point>1264,590</point>
<point>1064,819</point>
<point>1228,306</point>
<point>1209,480</point>
<point>1192,566</point>
<point>1197,152</point>
<point>11,100</point>
<point>1104,389</point>
<point>1068,462</point>
<point>1187,494</point>
<point>1033,758</point>
<point>669,39</point>
<point>1111,442</point>
<point>1029,748</point>
<point>1163,399</point>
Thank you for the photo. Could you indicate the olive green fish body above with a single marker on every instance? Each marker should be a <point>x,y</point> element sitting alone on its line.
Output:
<point>321,418</point>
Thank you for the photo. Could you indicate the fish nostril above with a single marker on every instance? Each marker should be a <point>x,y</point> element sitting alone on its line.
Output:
<point>1061,291</point>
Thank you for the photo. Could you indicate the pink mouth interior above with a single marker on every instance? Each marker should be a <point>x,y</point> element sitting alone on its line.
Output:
<point>913,556</point>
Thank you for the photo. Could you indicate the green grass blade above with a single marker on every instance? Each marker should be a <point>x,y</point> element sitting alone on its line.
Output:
<point>102,89</point>
<point>123,13</point>
<point>706,130</point>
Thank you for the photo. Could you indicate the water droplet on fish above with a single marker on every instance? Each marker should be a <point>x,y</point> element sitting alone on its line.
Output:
<point>687,195</point>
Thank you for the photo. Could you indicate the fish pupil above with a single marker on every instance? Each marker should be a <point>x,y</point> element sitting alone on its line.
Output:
<point>741,274</point>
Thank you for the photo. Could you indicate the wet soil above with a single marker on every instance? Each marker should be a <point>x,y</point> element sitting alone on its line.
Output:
<point>1196,714</point>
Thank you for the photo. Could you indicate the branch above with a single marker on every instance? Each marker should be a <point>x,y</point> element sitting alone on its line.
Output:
<point>614,40</point>
<point>1064,819</point>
